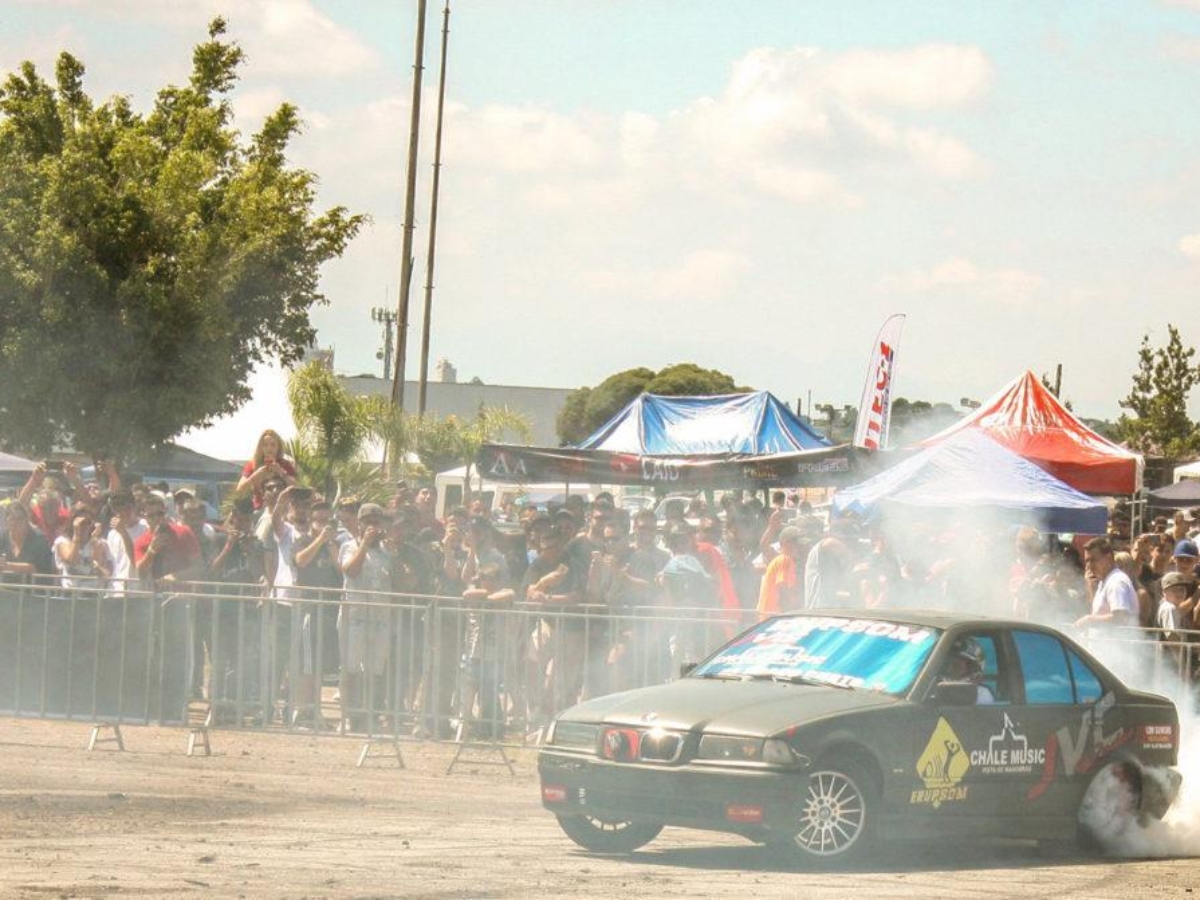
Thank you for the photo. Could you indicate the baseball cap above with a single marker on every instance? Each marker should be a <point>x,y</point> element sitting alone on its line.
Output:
<point>371,510</point>
<point>1186,548</point>
<point>1175,579</point>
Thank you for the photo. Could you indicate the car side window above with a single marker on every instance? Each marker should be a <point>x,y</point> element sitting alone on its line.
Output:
<point>991,668</point>
<point>1044,669</point>
<point>1088,688</point>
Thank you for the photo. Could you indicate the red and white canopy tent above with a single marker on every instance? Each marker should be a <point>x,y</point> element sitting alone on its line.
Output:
<point>1028,419</point>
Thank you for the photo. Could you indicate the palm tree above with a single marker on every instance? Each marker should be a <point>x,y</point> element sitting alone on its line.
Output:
<point>442,444</point>
<point>334,426</point>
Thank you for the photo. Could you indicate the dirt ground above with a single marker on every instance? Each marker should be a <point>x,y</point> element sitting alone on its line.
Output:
<point>290,816</point>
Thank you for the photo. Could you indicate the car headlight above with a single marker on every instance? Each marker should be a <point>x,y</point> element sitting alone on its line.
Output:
<point>778,752</point>
<point>578,735</point>
<point>730,749</point>
<point>773,751</point>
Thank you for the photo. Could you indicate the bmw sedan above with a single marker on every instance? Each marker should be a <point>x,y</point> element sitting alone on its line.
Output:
<point>821,732</point>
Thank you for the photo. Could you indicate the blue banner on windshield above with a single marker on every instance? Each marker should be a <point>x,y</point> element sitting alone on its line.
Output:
<point>863,654</point>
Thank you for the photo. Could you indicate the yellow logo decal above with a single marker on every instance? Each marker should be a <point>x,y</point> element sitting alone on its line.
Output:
<point>942,765</point>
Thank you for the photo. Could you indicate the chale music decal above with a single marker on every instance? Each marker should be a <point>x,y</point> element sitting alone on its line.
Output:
<point>1008,752</point>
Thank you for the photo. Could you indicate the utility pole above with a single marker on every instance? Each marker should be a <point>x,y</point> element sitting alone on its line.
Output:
<point>410,195</point>
<point>386,318</point>
<point>433,214</point>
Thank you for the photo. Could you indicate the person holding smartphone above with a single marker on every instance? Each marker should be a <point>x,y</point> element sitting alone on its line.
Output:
<point>166,552</point>
<point>268,461</point>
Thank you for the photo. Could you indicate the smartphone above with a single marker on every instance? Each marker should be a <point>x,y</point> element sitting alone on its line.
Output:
<point>54,465</point>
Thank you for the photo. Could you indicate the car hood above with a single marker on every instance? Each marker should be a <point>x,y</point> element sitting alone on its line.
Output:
<point>726,707</point>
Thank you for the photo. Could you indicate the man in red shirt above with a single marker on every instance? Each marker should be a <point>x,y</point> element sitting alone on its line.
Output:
<point>166,552</point>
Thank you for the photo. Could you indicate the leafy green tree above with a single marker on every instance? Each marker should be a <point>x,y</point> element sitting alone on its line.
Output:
<point>1158,399</point>
<point>148,262</point>
<point>587,408</point>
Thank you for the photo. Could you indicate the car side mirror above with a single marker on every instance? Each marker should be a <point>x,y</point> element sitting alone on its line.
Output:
<point>955,693</point>
<point>686,668</point>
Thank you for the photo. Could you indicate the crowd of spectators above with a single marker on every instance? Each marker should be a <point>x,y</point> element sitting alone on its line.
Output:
<point>502,618</point>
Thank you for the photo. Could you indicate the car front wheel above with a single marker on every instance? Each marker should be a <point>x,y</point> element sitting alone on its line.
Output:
<point>835,817</point>
<point>604,836</point>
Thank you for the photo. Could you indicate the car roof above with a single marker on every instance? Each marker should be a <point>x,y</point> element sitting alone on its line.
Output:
<point>930,618</point>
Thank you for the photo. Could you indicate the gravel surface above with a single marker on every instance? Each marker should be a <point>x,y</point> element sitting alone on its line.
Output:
<point>290,816</point>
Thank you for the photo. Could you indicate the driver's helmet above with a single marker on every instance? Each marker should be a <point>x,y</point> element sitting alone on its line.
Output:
<point>969,651</point>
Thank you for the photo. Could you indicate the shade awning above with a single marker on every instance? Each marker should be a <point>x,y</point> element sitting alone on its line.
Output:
<point>1029,420</point>
<point>970,473</point>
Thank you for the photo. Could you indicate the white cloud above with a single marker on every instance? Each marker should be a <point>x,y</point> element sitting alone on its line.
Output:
<point>931,76</point>
<point>964,275</point>
<point>699,274</point>
<point>292,37</point>
<point>280,37</point>
<point>1189,246</point>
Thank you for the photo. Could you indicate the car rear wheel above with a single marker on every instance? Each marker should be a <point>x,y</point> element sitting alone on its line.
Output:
<point>604,836</point>
<point>1111,806</point>
<point>835,817</point>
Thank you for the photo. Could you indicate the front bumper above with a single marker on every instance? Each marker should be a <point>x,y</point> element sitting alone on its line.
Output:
<point>719,798</point>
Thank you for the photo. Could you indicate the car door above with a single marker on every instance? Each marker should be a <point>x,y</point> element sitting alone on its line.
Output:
<point>950,780</point>
<point>1063,716</point>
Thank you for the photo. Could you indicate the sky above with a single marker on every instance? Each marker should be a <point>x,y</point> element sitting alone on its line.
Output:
<point>749,186</point>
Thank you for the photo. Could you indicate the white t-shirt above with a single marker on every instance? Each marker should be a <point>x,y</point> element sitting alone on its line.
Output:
<point>1116,593</point>
<point>1170,619</point>
<point>123,570</point>
<point>285,574</point>
<point>82,571</point>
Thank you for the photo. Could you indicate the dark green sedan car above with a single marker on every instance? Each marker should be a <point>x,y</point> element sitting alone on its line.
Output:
<point>824,731</point>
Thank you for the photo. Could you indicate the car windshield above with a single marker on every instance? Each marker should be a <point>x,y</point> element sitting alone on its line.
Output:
<point>861,654</point>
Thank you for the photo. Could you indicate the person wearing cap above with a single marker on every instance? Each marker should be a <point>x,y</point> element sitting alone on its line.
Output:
<point>1176,610</point>
<point>1185,557</point>
<point>1115,601</point>
<point>363,626</point>
<point>780,589</point>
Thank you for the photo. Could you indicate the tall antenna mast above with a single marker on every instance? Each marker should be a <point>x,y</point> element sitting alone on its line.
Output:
<point>433,212</point>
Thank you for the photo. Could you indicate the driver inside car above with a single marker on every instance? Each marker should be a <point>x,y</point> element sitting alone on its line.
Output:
<point>966,664</point>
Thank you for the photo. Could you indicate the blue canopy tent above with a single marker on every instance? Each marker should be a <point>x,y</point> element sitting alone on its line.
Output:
<point>971,472</point>
<point>755,424</point>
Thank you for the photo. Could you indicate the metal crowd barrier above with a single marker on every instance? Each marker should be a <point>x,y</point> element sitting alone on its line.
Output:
<point>387,665</point>
<point>330,661</point>
<point>1152,659</point>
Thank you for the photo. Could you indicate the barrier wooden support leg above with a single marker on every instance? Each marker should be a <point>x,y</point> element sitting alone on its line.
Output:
<point>366,752</point>
<point>199,718</point>
<point>490,750</point>
<point>96,739</point>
